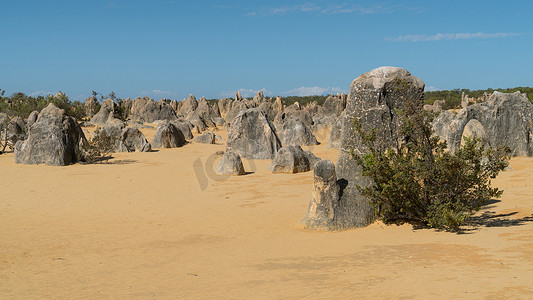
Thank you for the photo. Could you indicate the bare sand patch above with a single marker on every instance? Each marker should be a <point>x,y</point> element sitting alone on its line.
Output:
<point>164,225</point>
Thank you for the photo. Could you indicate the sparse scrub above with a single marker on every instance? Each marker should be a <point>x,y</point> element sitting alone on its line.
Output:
<point>4,140</point>
<point>420,181</point>
<point>98,148</point>
<point>452,98</point>
<point>21,105</point>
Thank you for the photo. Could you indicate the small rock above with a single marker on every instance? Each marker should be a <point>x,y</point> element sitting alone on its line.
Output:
<point>230,164</point>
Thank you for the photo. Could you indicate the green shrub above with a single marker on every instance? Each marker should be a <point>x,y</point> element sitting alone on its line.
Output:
<point>421,181</point>
<point>98,148</point>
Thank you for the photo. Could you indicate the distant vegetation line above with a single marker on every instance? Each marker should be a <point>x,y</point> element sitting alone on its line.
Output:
<point>20,104</point>
<point>452,98</point>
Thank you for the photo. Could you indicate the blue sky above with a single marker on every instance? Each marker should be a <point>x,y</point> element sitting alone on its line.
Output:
<point>170,49</point>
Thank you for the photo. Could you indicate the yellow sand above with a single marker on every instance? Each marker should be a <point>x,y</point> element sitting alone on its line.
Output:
<point>162,225</point>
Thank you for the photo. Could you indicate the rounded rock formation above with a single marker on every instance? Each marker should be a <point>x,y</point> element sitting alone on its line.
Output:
<point>252,136</point>
<point>231,164</point>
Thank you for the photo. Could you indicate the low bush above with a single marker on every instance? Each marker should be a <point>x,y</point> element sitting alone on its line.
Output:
<point>421,181</point>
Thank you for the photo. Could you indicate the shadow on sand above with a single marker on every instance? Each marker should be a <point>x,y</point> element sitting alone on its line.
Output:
<point>109,160</point>
<point>489,218</point>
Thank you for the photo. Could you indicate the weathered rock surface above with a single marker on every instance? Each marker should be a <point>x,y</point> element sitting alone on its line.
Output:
<point>474,129</point>
<point>314,110</point>
<point>252,136</point>
<point>133,140</point>
<point>167,135</point>
<point>126,106</point>
<point>236,108</point>
<point>506,119</point>
<point>189,105</point>
<point>231,164</point>
<point>16,130</point>
<point>91,106</point>
<point>54,139</point>
<point>278,105</point>
<point>113,134</point>
<point>206,138</point>
<point>293,112</point>
<point>185,128</point>
<point>373,100</point>
<point>146,110</point>
<point>290,159</point>
<point>175,105</point>
<point>259,97</point>
<point>334,106</point>
<point>32,118</point>
<point>292,131</point>
<point>326,193</point>
<point>106,112</point>
<point>224,106</point>
<point>197,122</point>
<point>334,141</point>
<point>312,158</point>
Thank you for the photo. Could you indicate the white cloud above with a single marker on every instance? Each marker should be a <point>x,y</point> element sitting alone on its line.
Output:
<point>453,36</point>
<point>312,90</point>
<point>160,92</point>
<point>431,88</point>
<point>331,9</point>
<point>40,93</point>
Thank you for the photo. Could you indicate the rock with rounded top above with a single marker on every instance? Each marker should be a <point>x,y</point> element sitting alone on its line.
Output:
<point>54,139</point>
<point>185,128</point>
<point>133,140</point>
<point>290,159</point>
<point>374,101</point>
<point>292,131</point>
<point>326,194</point>
<point>16,130</point>
<point>206,138</point>
<point>474,129</point>
<point>146,110</point>
<point>252,136</point>
<point>505,119</point>
<point>167,135</point>
<point>231,164</point>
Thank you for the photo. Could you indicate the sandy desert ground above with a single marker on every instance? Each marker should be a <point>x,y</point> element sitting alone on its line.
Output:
<point>163,225</point>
